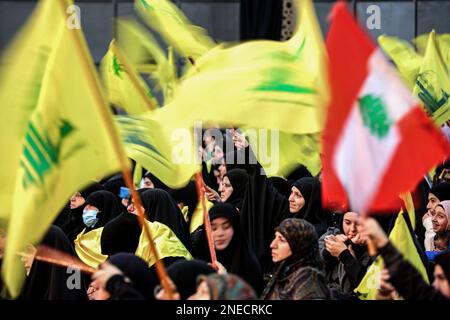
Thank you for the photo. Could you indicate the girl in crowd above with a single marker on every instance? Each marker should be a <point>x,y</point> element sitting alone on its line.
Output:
<point>345,255</point>
<point>298,268</point>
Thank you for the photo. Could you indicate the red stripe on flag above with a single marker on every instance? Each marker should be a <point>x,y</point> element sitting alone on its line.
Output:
<point>420,148</point>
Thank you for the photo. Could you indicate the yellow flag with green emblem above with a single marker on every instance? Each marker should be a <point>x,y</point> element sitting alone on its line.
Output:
<point>124,86</point>
<point>164,17</point>
<point>407,60</point>
<point>161,147</point>
<point>260,84</point>
<point>443,41</point>
<point>51,107</point>
<point>433,83</point>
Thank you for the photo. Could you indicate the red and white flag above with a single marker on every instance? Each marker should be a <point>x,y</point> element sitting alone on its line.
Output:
<point>377,141</point>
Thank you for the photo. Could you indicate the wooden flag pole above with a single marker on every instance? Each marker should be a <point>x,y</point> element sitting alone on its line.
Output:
<point>104,112</point>
<point>209,237</point>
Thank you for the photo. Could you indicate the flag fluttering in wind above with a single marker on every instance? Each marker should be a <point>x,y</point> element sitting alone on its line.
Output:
<point>55,126</point>
<point>260,84</point>
<point>160,146</point>
<point>433,82</point>
<point>165,18</point>
<point>378,142</point>
<point>124,86</point>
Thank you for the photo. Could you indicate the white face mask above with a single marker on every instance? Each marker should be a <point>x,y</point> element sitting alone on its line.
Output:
<point>90,218</point>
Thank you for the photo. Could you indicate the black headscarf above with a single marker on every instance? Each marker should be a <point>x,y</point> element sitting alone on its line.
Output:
<point>441,191</point>
<point>281,185</point>
<point>184,275</point>
<point>76,225</point>
<point>312,210</point>
<point>49,282</point>
<point>121,234</point>
<point>114,184</point>
<point>108,205</point>
<point>137,270</point>
<point>238,179</point>
<point>237,257</point>
<point>161,207</point>
<point>444,261</point>
<point>187,195</point>
<point>299,172</point>
<point>156,182</point>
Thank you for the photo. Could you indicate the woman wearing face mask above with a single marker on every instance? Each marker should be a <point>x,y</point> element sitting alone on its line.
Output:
<point>231,246</point>
<point>345,255</point>
<point>101,207</point>
<point>298,271</point>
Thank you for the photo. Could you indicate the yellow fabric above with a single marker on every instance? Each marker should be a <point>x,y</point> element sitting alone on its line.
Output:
<point>269,84</point>
<point>197,218</point>
<point>170,22</point>
<point>53,126</point>
<point>117,74</point>
<point>433,83</point>
<point>401,238</point>
<point>88,247</point>
<point>407,60</point>
<point>166,242</point>
<point>443,41</point>
<point>160,146</point>
<point>280,153</point>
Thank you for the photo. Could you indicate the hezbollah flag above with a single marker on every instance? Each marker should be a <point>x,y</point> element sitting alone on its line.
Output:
<point>259,84</point>
<point>160,146</point>
<point>125,88</point>
<point>164,17</point>
<point>433,83</point>
<point>443,41</point>
<point>407,60</point>
<point>378,142</point>
<point>55,128</point>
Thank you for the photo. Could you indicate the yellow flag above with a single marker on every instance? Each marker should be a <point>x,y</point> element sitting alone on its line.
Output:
<point>279,152</point>
<point>260,84</point>
<point>401,238</point>
<point>125,88</point>
<point>433,83</point>
<point>160,147</point>
<point>165,18</point>
<point>55,127</point>
<point>407,60</point>
<point>443,41</point>
<point>89,249</point>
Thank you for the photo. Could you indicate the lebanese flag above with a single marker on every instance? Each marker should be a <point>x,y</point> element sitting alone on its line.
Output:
<point>377,141</point>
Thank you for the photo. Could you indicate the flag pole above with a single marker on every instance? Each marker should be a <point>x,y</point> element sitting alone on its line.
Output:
<point>100,102</point>
<point>212,252</point>
<point>132,76</point>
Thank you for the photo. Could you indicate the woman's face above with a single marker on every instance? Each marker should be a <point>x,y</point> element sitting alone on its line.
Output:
<point>225,189</point>
<point>76,200</point>
<point>432,203</point>
<point>223,168</point>
<point>296,200</point>
<point>222,232</point>
<point>440,220</point>
<point>218,153</point>
<point>280,248</point>
<point>440,281</point>
<point>148,184</point>
<point>350,224</point>
<point>202,292</point>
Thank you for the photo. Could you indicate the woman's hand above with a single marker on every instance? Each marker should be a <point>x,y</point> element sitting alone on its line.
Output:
<point>239,140</point>
<point>335,245</point>
<point>211,194</point>
<point>370,229</point>
<point>218,267</point>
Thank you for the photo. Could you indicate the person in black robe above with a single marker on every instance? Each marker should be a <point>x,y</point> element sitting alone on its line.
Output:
<point>237,256</point>
<point>160,206</point>
<point>186,196</point>
<point>238,178</point>
<point>51,282</point>
<point>105,204</point>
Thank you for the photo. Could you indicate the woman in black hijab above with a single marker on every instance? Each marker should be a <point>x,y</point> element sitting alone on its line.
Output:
<point>161,207</point>
<point>232,189</point>
<point>298,271</point>
<point>305,202</point>
<point>234,254</point>
<point>101,207</point>
<point>50,282</point>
